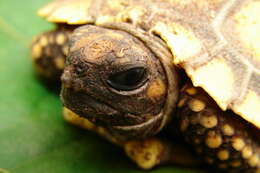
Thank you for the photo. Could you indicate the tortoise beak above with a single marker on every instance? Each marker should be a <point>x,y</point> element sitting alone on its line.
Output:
<point>89,107</point>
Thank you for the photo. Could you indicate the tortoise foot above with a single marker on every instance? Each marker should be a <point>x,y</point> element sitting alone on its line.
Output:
<point>48,52</point>
<point>222,139</point>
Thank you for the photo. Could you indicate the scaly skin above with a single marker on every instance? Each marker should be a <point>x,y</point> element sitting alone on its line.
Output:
<point>48,53</point>
<point>222,139</point>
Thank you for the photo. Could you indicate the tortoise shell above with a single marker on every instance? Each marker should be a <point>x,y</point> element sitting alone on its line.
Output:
<point>215,41</point>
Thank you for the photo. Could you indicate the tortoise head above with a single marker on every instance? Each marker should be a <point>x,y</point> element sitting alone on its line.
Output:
<point>115,80</point>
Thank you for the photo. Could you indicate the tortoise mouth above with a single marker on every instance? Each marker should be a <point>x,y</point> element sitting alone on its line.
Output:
<point>101,113</point>
<point>138,131</point>
<point>121,124</point>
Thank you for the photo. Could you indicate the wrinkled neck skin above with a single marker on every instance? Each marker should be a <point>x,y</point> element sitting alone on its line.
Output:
<point>150,126</point>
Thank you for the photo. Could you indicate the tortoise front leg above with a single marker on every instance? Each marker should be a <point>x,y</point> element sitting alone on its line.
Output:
<point>222,139</point>
<point>146,153</point>
<point>150,152</point>
<point>48,53</point>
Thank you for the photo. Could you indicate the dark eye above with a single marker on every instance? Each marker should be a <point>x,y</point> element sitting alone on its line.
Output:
<point>128,80</point>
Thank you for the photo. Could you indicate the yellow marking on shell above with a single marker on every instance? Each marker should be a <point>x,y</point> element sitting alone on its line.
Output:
<point>36,51</point>
<point>116,5</point>
<point>136,13</point>
<point>191,91</point>
<point>247,152</point>
<point>182,102</point>
<point>199,4</point>
<point>235,163</point>
<point>228,130</point>
<point>146,153</point>
<point>253,160</point>
<point>223,154</point>
<point>213,140</point>
<point>104,19</point>
<point>75,12</point>
<point>133,14</point>
<point>209,121</point>
<point>43,41</point>
<point>46,10</point>
<point>156,89</point>
<point>216,77</point>
<point>238,143</point>
<point>59,62</point>
<point>250,108</point>
<point>196,105</point>
<point>60,39</point>
<point>181,2</point>
<point>248,27</point>
<point>181,41</point>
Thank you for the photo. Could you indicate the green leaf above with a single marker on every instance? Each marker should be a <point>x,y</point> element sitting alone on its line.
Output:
<point>33,136</point>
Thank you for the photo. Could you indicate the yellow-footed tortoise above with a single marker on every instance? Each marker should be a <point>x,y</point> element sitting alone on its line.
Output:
<point>135,67</point>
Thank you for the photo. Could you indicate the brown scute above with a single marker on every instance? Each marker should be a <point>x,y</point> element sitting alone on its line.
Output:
<point>48,54</point>
<point>222,139</point>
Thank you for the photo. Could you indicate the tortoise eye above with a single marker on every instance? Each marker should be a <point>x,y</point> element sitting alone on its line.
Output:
<point>128,80</point>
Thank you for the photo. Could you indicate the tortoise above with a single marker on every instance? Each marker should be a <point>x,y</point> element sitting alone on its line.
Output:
<point>189,69</point>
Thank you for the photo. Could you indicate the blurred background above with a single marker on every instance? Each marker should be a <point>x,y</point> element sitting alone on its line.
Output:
<point>33,136</point>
